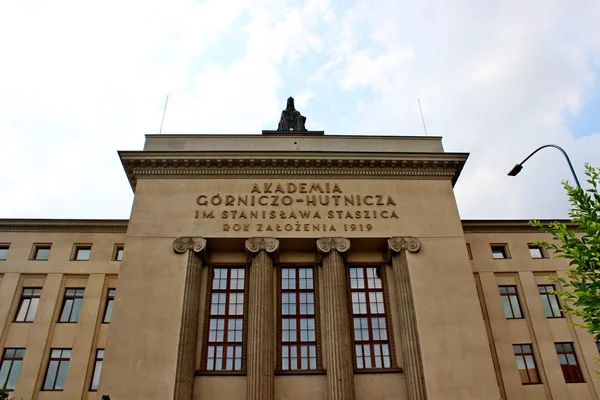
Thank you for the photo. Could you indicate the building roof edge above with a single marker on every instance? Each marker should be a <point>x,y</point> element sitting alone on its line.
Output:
<point>64,225</point>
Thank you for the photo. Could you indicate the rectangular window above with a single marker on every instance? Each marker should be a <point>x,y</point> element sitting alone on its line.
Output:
<point>298,319</point>
<point>598,346</point>
<point>3,251</point>
<point>11,365</point>
<point>549,301</point>
<point>71,305</point>
<point>41,252</point>
<point>30,299</point>
<point>536,251</point>
<point>469,251</point>
<point>82,253</point>
<point>526,364</point>
<point>58,366</point>
<point>118,253</point>
<point>110,299</point>
<point>97,370</point>
<point>371,339</point>
<point>510,302</point>
<point>568,362</point>
<point>226,320</point>
<point>499,251</point>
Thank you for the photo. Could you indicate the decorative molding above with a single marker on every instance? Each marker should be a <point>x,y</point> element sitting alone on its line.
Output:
<point>508,225</point>
<point>183,244</point>
<point>325,245</point>
<point>371,165</point>
<point>256,244</point>
<point>64,225</point>
<point>397,244</point>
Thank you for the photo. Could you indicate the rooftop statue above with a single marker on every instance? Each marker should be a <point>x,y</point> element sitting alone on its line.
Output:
<point>291,119</point>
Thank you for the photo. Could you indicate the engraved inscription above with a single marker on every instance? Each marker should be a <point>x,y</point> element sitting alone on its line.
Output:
<point>299,207</point>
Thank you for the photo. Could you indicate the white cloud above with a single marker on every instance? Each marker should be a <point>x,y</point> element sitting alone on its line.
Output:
<point>79,81</point>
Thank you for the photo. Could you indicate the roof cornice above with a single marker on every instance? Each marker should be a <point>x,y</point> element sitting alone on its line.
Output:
<point>271,164</point>
<point>509,225</point>
<point>64,225</point>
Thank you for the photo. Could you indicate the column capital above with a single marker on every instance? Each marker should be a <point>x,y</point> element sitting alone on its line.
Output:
<point>325,245</point>
<point>183,244</point>
<point>256,244</point>
<point>398,243</point>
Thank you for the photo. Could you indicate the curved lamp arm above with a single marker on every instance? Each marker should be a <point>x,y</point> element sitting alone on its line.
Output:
<point>518,167</point>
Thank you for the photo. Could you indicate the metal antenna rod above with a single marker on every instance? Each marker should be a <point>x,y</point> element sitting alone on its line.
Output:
<point>163,118</point>
<point>422,119</point>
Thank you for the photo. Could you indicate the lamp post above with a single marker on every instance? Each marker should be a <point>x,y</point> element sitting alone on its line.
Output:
<point>518,167</point>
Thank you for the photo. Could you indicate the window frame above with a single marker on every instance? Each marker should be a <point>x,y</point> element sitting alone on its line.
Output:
<point>207,316</point>
<point>543,253</point>
<point>4,246</point>
<point>60,360</point>
<point>81,246</point>
<point>36,248</point>
<point>523,354</point>
<point>67,297</point>
<point>95,368</point>
<point>516,294</point>
<point>505,251</point>
<point>382,268</point>
<point>119,247</point>
<point>547,295</point>
<point>28,297</point>
<point>109,299</point>
<point>279,359</point>
<point>570,373</point>
<point>12,360</point>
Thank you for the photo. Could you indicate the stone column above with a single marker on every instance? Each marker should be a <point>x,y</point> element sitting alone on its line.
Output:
<point>261,323</point>
<point>188,335</point>
<point>337,332</point>
<point>409,337</point>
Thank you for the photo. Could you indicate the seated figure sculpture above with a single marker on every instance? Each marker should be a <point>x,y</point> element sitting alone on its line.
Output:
<point>291,119</point>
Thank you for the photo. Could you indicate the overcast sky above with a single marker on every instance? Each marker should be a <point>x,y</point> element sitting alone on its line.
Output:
<point>80,80</point>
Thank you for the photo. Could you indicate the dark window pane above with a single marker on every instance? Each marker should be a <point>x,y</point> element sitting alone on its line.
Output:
<point>14,374</point>
<point>76,310</point>
<point>51,375</point>
<point>510,302</point>
<point>83,253</point>
<point>226,325</point>
<point>298,330</point>
<point>568,362</point>
<point>72,305</point>
<point>97,370</point>
<point>119,255</point>
<point>535,252</point>
<point>28,305</point>
<point>61,377</point>
<point>108,311</point>
<point>526,364</point>
<point>23,310</point>
<point>66,312</point>
<point>371,338</point>
<point>42,253</point>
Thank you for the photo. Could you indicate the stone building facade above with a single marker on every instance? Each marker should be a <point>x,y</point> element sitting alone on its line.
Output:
<point>287,266</point>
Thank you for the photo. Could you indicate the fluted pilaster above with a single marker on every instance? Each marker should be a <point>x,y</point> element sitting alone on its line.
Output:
<point>409,337</point>
<point>337,332</point>
<point>261,326</point>
<point>188,335</point>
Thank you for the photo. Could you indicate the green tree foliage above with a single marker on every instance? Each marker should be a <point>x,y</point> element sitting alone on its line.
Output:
<point>3,394</point>
<point>581,246</point>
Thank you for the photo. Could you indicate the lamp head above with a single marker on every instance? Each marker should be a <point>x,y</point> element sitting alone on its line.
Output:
<point>515,170</point>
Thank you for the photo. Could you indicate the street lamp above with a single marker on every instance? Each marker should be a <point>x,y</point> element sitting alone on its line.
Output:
<point>518,167</point>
